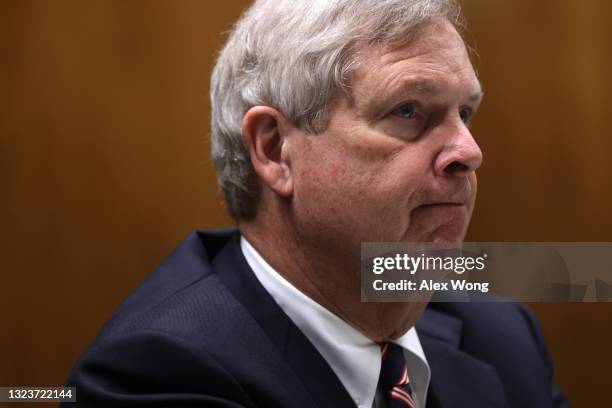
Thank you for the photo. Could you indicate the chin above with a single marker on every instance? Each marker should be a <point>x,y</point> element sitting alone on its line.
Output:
<point>451,237</point>
<point>448,233</point>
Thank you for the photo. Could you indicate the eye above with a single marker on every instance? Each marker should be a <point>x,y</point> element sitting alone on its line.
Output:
<point>465,114</point>
<point>406,111</point>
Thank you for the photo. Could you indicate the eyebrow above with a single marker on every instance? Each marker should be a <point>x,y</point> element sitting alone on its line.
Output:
<point>427,87</point>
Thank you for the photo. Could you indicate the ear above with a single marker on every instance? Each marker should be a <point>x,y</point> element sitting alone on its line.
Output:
<point>264,133</point>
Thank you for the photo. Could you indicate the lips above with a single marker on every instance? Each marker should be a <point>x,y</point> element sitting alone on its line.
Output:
<point>441,221</point>
<point>448,204</point>
<point>459,196</point>
<point>463,201</point>
<point>443,212</point>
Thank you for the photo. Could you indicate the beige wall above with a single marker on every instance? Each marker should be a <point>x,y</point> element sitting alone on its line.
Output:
<point>104,159</point>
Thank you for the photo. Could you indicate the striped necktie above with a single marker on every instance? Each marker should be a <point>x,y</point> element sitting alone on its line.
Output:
<point>393,381</point>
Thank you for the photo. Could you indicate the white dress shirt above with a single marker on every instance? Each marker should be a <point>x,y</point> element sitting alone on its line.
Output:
<point>354,358</point>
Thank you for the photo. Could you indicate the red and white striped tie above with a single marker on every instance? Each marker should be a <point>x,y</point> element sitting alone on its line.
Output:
<point>394,382</point>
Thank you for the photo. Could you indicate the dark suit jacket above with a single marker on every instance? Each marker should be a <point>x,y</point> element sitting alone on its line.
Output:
<point>202,331</point>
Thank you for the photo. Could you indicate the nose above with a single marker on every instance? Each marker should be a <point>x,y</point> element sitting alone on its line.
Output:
<point>460,154</point>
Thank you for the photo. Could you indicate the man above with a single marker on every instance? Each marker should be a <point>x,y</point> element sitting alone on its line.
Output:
<point>334,123</point>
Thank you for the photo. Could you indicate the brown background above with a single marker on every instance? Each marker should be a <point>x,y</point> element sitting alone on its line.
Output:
<point>104,160</point>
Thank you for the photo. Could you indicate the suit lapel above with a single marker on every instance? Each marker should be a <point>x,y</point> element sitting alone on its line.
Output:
<point>457,378</point>
<point>310,367</point>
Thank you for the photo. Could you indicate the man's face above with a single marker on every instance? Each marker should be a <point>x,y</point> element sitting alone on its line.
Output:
<point>397,162</point>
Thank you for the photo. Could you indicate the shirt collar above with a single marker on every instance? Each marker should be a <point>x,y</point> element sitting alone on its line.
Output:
<point>353,357</point>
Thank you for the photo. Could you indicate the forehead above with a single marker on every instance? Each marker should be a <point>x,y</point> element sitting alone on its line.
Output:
<point>434,61</point>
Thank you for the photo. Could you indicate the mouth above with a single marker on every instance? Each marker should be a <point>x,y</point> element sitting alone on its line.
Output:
<point>445,212</point>
<point>444,204</point>
<point>451,211</point>
<point>461,195</point>
<point>442,221</point>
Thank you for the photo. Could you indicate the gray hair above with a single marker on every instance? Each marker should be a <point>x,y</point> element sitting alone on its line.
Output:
<point>296,56</point>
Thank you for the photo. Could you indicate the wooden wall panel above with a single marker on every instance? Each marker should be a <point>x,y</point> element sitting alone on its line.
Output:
<point>545,132</point>
<point>104,159</point>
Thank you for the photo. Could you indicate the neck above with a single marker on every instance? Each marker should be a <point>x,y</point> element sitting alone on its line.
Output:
<point>328,276</point>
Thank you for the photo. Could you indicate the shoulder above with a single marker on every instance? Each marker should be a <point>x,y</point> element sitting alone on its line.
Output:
<point>490,324</point>
<point>179,338</point>
<point>183,286</point>
<point>496,332</point>
<point>154,367</point>
<point>505,336</point>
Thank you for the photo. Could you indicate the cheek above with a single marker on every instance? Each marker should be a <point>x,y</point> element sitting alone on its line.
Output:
<point>336,197</point>
<point>318,179</point>
<point>329,185</point>
<point>362,196</point>
<point>402,181</point>
<point>325,170</point>
<point>392,184</point>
